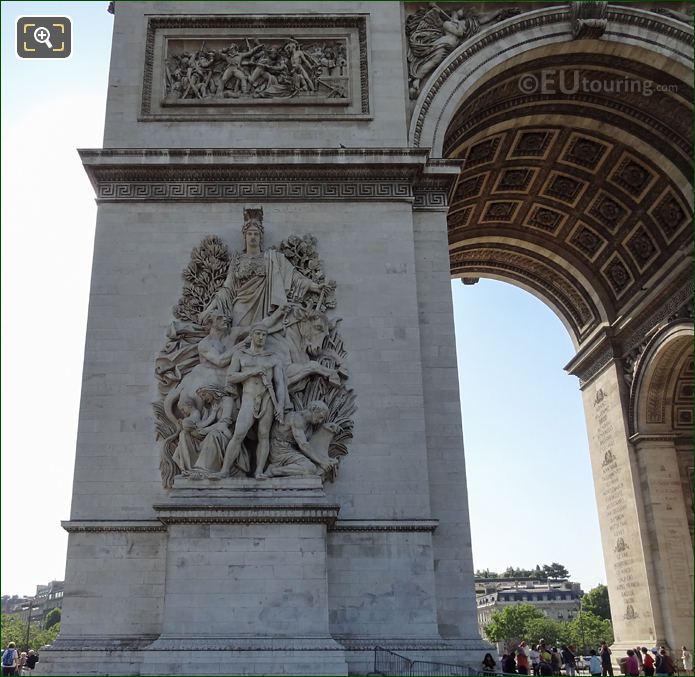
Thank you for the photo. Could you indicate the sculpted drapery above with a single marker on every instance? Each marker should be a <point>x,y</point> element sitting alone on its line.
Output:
<point>225,389</point>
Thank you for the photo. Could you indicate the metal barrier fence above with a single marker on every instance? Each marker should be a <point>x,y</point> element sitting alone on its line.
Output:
<point>394,665</point>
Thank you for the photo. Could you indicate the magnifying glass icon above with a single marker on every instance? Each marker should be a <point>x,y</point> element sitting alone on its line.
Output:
<point>43,35</point>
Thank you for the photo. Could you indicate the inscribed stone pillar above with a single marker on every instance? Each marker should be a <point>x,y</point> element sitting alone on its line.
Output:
<point>637,617</point>
<point>666,525</point>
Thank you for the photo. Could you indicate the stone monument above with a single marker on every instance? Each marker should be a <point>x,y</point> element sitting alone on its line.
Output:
<point>269,475</point>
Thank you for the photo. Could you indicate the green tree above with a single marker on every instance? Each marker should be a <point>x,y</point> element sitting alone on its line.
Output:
<point>52,617</point>
<point>537,573</point>
<point>587,631</point>
<point>14,629</point>
<point>596,602</point>
<point>486,573</point>
<point>509,624</point>
<point>553,632</point>
<point>555,570</point>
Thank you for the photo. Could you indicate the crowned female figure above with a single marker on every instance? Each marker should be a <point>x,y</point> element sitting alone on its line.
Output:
<point>258,281</point>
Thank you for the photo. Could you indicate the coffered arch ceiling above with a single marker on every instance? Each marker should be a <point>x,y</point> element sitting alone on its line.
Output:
<point>582,196</point>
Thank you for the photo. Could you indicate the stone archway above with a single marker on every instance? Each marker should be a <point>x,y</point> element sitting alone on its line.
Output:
<point>581,194</point>
<point>661,411</point>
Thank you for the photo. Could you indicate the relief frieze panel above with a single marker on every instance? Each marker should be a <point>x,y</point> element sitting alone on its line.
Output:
<point>234,67</point>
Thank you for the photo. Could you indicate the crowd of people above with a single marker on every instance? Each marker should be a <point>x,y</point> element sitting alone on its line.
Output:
<point>542,659</point>
<point>18,663</point>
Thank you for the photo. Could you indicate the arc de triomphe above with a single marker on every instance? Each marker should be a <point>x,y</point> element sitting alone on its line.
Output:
<point>270,473</point>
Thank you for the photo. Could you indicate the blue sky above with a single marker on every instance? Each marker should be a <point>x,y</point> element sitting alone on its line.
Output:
<point>529,481</point>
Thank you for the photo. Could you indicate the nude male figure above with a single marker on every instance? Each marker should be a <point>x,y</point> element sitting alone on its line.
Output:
<point>262,398</point>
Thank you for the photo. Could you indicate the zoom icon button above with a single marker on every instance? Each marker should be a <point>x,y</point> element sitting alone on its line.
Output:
<point>44,37</point>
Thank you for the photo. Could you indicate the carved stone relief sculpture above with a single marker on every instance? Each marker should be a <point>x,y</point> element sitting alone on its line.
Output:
<point>589,19</point>
<point>432,33</point>
<point>242,70</point>
<point>253,377</point>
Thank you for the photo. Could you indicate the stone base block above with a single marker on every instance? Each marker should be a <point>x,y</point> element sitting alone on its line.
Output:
<point>196,661</point>
<point>245,662</point>
<point>263,656</point>
<point>104,662</point>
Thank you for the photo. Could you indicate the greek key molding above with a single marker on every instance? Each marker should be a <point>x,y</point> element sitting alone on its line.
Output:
<point>427,526</point>
<point>427,199</point>
<point>228,175</point>
<point>282,22</point>
<point>200,191</point>
<point>102,526</point>
<point>189,513</point>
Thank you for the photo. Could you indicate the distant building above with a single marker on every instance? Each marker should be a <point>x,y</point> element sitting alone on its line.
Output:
<point>12,604</point>
<point>558,600</point>
<point>47,598</point>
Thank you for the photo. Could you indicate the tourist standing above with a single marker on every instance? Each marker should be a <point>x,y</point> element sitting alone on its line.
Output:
<point>606,664</point>
<point>568,660</point>
<point>638,656</point>
<point>32,660</point>
<point>535,658</point>
<point>521,661</point>
<point>631,664</point>
<point>647,662</point>
<point>9,660</point>
<point>556,661</point>
<point>664,664</point>
<point>594,663</point>
<point>687,659</point>
<point>508,664</point>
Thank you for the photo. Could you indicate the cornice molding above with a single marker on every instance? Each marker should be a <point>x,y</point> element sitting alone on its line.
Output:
<point>94,526</point>
<point>283,174</point>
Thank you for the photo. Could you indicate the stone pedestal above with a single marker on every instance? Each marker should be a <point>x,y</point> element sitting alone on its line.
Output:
<point>246,580</point>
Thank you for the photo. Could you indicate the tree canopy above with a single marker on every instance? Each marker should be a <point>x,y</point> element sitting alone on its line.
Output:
<point>52,617</point>
<point>510,624</point>
<point>541,572</point>
<point>587,631</point>
<point>519,622</point>
<point>596,602</point>
<point>14,629</point>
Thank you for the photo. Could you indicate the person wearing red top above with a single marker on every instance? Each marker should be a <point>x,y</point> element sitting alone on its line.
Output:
<point>648,662</point>
<point>521,661</point>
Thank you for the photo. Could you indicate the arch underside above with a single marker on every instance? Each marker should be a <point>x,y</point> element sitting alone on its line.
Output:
<point>581,197</point>
<point>663,401</point>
